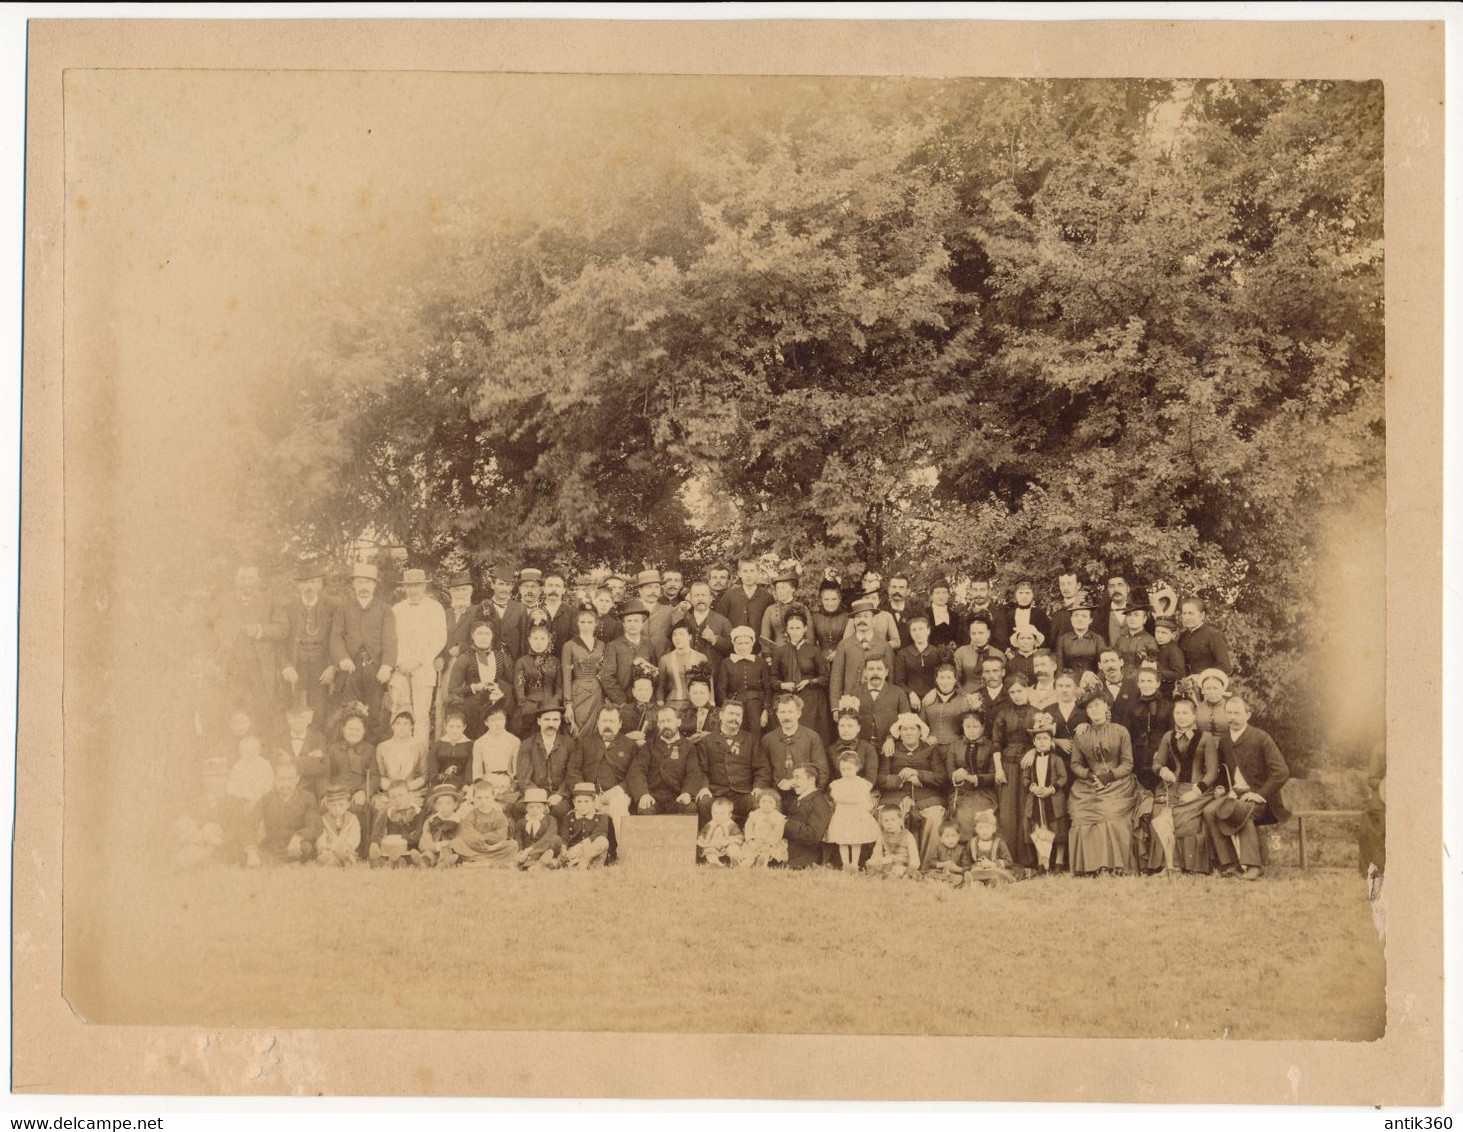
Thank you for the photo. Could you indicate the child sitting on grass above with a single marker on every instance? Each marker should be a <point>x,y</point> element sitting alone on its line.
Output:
<point>483,833</point>
<point>340,837</point>
<point>720,842</point>
<point>990,860</point>
<point>896,853</point>
<point>763,842</point>
<point>586,831</point>
<point>948,861</point>
<point>396,828</point>
<point>434,846</point>
<point>538,833</point>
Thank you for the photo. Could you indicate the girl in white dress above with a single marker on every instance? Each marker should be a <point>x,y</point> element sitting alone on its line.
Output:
<point>853,825</point>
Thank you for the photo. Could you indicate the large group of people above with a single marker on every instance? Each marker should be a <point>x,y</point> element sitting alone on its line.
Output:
<point>876,730</point>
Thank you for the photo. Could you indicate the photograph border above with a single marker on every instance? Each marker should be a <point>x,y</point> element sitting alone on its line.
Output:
<point>54,1051</point>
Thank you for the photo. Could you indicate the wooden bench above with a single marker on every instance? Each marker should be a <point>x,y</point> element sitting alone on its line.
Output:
<point>1302,816</point>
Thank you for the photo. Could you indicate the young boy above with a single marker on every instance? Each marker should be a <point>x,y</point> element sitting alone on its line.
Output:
<point>699,719</point>
<point>434,847</point>
<point>948,860</point>
<point>1172,667</point>
<point>287,822</point>
<point>450,759</point>
<point>340,835</point>
<point>537,835</point>
<point>896,853</point>
<point>483,833</point>
<point>396,829</point>
<point>586,831</point>
<point>720,841</point>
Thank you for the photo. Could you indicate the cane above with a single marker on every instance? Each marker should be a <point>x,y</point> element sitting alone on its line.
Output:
<point>370,809</point>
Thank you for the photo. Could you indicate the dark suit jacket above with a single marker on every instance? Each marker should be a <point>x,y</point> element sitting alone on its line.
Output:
<point>510,632</point>
<point>731,765</point>
<point>458,625</point>
<point>806,827</point>
<point>373,628</point>
<point>290,655</point>
<point>878,713</point>
<point>715,651</point>
<point>673,768</point>
<point>1259,760</point>
<point>1205,647</point>
<point>619,669</point>
<point>546,769</point>
<point>617,763</point>
<point>1039,620</point>
<point>743,610</point>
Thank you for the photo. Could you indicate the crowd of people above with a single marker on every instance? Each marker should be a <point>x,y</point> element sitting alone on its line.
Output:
<point>802,725</point>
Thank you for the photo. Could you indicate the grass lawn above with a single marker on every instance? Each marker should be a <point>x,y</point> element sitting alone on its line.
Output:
<point>1293,956</point>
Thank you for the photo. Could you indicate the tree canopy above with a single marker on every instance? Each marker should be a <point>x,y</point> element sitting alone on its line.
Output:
<point>975,327</point>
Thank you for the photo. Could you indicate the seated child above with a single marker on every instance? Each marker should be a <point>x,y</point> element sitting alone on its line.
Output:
<point>213,773</point>
<point>762,841</point>
<point>538,833</point>
<point>948,860</point>
<point>990,860</point>
<point>483,835</point>
<point>852,825</point>
<point>250,778</point>
<point>340,835</point>
<point>450,759</point>
<point>720,842</point>
<point>586,830</point>
<point>287,822</point>
<point>395,830</point>
<point>896,853</point>
<point>434,845</point>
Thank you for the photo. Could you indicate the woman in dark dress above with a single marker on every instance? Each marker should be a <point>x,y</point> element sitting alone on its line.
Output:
<point>798,667</point>
<point>830,621</point>
<point>483,676</point>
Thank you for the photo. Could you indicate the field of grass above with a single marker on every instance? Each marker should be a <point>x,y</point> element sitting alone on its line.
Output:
<point>1293,956</point>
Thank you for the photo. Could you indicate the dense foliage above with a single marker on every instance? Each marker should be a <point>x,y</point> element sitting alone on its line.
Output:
<point>973,327</point>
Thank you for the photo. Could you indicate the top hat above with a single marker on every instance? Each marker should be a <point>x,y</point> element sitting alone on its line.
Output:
<point>552,705</point>
<point>461,578</point>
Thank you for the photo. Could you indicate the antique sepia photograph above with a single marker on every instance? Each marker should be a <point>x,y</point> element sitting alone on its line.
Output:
<point>883,555</point>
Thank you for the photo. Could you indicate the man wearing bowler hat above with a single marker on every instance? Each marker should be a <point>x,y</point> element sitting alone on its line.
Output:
<point>307,671</point>
<point>543,760</point>
<point>659,615</point>
<point>421,635</point>
<point>363,642</point>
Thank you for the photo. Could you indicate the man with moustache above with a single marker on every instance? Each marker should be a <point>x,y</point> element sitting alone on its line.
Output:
<point>860,644</point>
<point>790,745</point>
<point>1118,689</point>
<point>659,614</point>
<point>543,760</point>
<point>1111,618</point>
<point>530,587</point>
<point>880,703</point>
<point>307,671</point>
<point>673,773</point>
<point>561,613</point>
<point>363,642</point>
<point>979,603</point>
<point>710,631</point>
<point>730,765</point>
<point>719,579</point>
